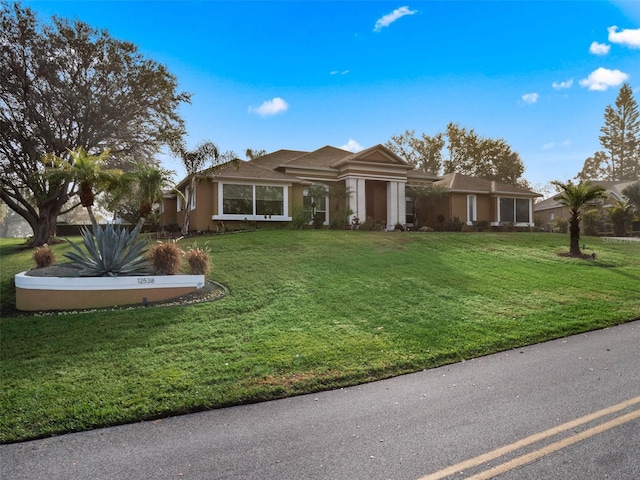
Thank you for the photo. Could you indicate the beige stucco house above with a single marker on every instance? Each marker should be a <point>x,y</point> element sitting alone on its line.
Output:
<point>338,186</point>
<point>335,184</point>
<point>473,201</point>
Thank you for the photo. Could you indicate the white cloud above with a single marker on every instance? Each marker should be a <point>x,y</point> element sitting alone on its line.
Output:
<point>270,107</point>
<point>352,146</point>
<point>552,145</point>
<point>339,72</point>
<point>530,98</point>
<point>599,48</point>
<point>626,36</point>
<point>389,18</point>
<point>603,78</point>
<point>561,85</point>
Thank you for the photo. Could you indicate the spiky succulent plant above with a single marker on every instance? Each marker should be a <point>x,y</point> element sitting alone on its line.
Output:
<point>110,252</point>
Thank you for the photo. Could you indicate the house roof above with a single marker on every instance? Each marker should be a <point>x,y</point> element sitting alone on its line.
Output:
<point>613,188</point>
<point>273,159</point>
<point>457,182</point>
<point>323,157</point>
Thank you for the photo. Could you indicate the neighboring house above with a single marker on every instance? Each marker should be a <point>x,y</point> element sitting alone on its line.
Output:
<point>473,201</point>
<point>369,185</point>
<point>549,210</point>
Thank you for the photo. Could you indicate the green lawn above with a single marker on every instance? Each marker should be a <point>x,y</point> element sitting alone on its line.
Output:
<point>307,310</point>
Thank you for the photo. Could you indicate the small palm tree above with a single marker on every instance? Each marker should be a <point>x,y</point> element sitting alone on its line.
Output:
<point>575,196</point>
<point>86,172</point>
<point>152,180</point>
<point>194,161</point>
<point>632,192</point>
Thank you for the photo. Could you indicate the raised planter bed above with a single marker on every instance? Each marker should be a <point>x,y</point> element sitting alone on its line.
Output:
<point>37,293</point>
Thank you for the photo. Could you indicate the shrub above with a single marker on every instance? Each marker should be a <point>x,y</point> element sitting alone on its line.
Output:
<point>199,262</point>
<point>591,221</point>
<point>44,256</point>
<point>299,219</point>
<point>166,258</point>
<point>318,220</point>
<point>340,218</point>
<point>560,225</point>
<point>111,251</point>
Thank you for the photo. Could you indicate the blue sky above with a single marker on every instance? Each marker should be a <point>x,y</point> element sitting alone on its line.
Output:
<point>304,74</point>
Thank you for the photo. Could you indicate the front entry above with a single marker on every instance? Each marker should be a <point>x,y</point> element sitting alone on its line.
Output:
<point>376,202</point>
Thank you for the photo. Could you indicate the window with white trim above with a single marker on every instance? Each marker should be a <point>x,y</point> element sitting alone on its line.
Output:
<point>192,198</point>
<point>514,210</point>
<point>315,201</point>
<point>253,202</point>
<point>472,210</point>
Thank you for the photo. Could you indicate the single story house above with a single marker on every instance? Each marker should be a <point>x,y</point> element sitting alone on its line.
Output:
<point>473,201</point>
<point>338,187</point>
<point>549,210</point>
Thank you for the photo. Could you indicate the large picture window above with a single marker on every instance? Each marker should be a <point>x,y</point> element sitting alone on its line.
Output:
<point>253,202</point>
<point>514,210</point>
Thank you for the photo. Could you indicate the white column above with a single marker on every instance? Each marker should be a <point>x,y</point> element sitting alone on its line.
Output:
<point>362,200</point>
<point>531,212</point>
<point>352,190</point>
<point>392,205</point>
<point>402,204</point>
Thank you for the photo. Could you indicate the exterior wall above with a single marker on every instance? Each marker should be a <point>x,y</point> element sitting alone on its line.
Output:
<point>458,206</point>
<point>169,214</point>
<point>548,216</point>
<point>200,218</point>
<point>485,208</point>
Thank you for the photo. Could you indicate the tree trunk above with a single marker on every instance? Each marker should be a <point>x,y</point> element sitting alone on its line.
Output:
<point>45,229</point>
<point>574,234</point>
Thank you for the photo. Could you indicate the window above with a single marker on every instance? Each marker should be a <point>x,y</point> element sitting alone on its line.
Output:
<point>253,202</point>
<point>192,198</point>
<point>269,200</point>
<point>471,209</point>
<point>522,210</point>
<point>314,201</point>
<point>410,209</point>
<point>514,210</point>
<point>237,199</point>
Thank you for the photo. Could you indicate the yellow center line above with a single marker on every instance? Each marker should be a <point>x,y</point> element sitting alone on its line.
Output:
<point>499,452</point>
<point>554,447</point>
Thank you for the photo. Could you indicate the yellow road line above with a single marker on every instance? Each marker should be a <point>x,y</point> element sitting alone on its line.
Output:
<point>554,447</point>
<point>499,452</point>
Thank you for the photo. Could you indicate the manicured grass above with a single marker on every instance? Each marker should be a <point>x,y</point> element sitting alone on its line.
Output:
<point>307,310</point>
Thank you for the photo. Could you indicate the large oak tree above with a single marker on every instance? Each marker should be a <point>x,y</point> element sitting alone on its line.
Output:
<point>467,153</point>
<point>64,86</point>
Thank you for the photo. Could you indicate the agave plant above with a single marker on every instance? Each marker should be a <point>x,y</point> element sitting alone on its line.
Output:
<point>111,252</point>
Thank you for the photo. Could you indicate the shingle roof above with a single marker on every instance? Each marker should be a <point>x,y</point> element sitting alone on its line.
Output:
<point>251,170</point>
<point>457,182</point>
<point>323,157</point>
<point>274,159</point>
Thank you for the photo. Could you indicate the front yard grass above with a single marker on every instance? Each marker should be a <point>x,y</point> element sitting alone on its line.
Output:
<point>307,311</point>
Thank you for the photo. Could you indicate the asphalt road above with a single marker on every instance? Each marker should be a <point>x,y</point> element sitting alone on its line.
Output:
<point>566,409</point>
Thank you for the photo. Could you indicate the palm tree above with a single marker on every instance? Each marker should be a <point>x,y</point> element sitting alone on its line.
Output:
<point>575,196</point>
<point>194,161</point>
<point>151,180</point>
<point>632,192</point>
<point>87,174</point>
